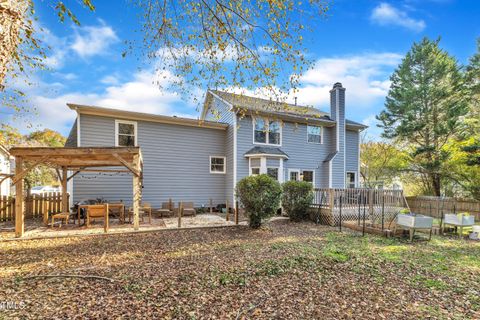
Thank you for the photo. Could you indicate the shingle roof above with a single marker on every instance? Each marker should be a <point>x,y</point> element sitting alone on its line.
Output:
<point>330,156</point>
<point>259,104</point>
<point>266,151</point>
<point>281,109</point>
<point>355,124</point>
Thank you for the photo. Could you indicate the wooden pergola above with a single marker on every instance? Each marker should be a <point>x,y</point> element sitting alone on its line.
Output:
<point>75,160</point>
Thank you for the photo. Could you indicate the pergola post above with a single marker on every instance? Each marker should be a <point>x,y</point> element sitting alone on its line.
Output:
<point>136,192</point>
<point>19,214</point>
<point>64,190</point>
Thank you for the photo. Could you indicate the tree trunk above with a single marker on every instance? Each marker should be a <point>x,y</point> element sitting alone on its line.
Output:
<point>12,13</point>
<point>436,184</point>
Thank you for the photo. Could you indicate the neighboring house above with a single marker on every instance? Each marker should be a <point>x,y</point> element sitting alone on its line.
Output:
<point>5,169</point>
<point>236,136</point>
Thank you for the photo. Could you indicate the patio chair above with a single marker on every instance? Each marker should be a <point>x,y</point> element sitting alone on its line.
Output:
<point>62,216</point>
<point>143,209</point>
<point>188,209</point>
<point>98,211</point>
<point>167,209</point>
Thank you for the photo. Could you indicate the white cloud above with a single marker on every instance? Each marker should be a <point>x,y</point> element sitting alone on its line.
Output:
<point>140,94</point>
<point>110,80</point>
<point>365,76</point>
<point>93,40</point>
<point>386,14</point>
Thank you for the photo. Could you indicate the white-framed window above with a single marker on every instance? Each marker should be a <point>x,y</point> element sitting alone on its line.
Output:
<point>351,180</point>
<point>309,176</point>
<point>125,133</point>
<point>293,175</point>
<point>254,171</point>
<point>273,172</point>
<point>217,164</point>
<point>314,134</point>
<point>267,132</point>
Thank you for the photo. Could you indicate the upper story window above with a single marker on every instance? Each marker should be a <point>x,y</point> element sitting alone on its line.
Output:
<point>217,164</point>
<point>267,132</point>
<point>314,134</point>
<point>125,133</point>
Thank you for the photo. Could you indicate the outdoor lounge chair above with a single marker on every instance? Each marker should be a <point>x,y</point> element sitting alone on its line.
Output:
<point>167,209</point>
<point>98,211</point>
<point>188,209</point>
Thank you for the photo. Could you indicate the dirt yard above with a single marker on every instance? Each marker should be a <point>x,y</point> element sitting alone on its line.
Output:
<point>284,271</point>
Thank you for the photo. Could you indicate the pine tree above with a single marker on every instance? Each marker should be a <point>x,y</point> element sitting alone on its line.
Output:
<point>424,106</point>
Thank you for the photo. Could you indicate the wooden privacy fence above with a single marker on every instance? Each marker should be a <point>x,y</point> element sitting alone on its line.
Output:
<point>437,206</point>
<point>34,205</point>
<point>333,206</point>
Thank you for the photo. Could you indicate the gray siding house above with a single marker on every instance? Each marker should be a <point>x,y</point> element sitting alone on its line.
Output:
<point>236,136</point>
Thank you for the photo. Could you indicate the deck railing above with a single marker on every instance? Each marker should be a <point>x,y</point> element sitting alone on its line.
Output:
<point>333,206</point>
<point>34,205</point>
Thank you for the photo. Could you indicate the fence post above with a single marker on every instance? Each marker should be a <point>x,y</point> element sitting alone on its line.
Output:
<point>236,212</point>
<point>370,202</point>
<point>340,203</point>
<point>211,206</point>
<point>180,209</point>
<point>364,207</point>
<point>359,202</point>
<point>227,217</point>
<point>383,210</point>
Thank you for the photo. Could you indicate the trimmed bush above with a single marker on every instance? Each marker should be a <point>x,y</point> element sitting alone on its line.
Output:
<point>297,198</point>
<point>260,196</point>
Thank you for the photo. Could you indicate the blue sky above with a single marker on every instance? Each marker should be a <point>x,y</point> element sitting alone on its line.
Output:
<point>359,44</point>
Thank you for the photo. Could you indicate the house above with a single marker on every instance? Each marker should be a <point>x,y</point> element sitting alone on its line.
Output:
<point>236,136</point>
<point>5,170</point>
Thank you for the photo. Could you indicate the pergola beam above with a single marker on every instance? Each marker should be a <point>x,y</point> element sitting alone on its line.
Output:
<point>137,192</point>
<point>20,175</point>
<point>19,214</point>
<point>78,160</point>
<point>64,190</point>
<point>53,151</point>
<point>129,166</point>
<point>73,175</point>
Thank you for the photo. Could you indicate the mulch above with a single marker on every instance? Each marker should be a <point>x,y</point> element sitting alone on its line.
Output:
<point>277,272</point>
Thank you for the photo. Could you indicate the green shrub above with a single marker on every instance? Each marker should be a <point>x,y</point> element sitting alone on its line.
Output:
<point>260,196</point>
<point>297,198</point>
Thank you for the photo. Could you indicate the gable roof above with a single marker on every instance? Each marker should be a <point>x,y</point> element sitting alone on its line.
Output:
<point>260,104</point>
<point>263,107</point>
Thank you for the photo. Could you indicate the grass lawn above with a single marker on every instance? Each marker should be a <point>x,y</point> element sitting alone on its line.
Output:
<point>286,271</point>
